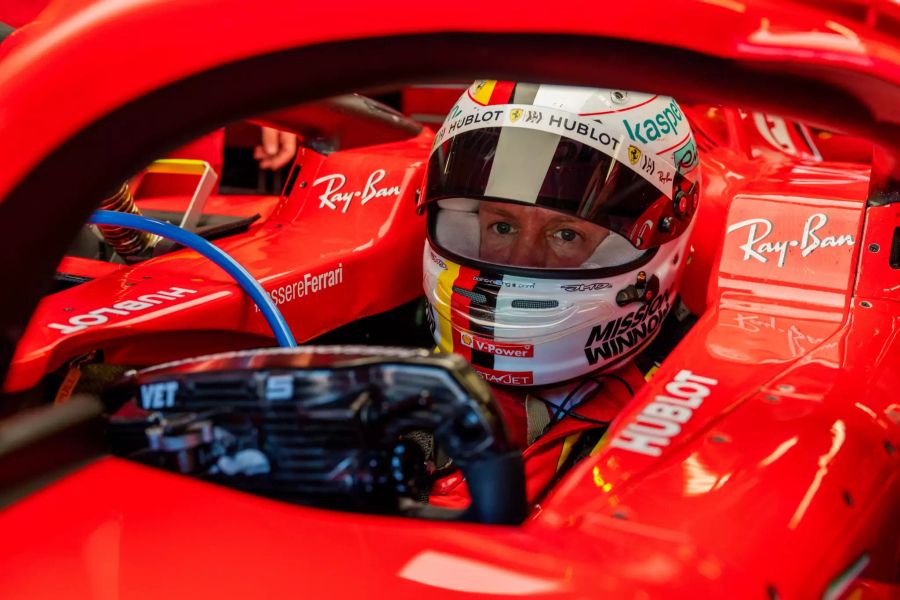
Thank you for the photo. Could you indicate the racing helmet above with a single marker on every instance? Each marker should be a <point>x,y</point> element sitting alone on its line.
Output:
<point>557,222</point>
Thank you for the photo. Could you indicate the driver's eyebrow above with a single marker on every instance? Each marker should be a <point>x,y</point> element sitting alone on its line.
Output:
<point>557,220</point>
<point>566,221</point>
<point>563,220</point>
<point>498,212</point>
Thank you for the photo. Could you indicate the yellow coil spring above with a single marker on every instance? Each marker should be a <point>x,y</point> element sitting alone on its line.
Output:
<point>126,242</point>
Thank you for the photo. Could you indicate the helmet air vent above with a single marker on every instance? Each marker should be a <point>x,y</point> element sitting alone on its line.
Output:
<point>473,296</point>
<point>532,304</point>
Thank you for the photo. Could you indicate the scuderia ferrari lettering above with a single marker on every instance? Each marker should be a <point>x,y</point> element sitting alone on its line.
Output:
<point>652,128</point>
<point>615,337</point>
<point>661,420</point>
<point>123,309</point>
<point>308,284</point>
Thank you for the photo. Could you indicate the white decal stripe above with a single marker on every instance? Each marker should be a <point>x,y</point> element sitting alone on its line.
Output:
<point>564,97</point>
<point>521,162</point>
<point>624,109</point>
<point>505,296</point>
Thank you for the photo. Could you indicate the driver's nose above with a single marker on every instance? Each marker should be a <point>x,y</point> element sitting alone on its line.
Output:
<point>530,250</point>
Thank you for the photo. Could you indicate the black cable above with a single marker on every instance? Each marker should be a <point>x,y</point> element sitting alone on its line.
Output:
<point>575,390</point>
<point>594,379</point>
<point>561,408</point>
<point>619,379</point>
<point>569,412</point>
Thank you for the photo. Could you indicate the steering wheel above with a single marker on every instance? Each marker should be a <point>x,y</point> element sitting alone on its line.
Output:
<point>333,426</point>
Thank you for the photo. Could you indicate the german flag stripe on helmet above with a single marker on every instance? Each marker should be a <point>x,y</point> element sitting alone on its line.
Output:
<point>445,293</point>
<point>459,309</point>
<point>490,92</point>
<point>503,92</point>
<point>480,92</point>
<point>455,309</point>
<point>488,285</point>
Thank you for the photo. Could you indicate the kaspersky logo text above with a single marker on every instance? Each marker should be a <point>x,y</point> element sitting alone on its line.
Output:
<point>663,122</point>
<point>100,316</point>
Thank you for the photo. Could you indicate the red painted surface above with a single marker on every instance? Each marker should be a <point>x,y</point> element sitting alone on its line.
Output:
<point>17,13</point>
<point>759,31</point>
<point>429,104</point>
<point>364,198</point>
<point>778,470</point>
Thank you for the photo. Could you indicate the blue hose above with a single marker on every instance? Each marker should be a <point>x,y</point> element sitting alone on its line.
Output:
<point>215,254</point>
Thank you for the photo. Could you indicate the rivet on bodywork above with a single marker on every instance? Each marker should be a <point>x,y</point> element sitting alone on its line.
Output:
<point>848,499</point>
<point>865,304</point>
<point>874,248</point>
<point>720,438</point>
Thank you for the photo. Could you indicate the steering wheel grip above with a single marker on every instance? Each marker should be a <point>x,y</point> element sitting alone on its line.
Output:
<point>497,489</point>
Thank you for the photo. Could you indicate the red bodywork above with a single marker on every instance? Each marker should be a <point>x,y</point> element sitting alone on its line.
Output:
<point>779,477</point>
<point>374,243</point>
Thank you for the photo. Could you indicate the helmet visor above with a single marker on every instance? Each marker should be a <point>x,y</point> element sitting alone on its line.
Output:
<point>558,173</point>
<point>511,234</point>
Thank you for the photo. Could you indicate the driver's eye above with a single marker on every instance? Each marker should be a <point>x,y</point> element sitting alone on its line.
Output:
<point>566,235</point>
<point>501,227</point>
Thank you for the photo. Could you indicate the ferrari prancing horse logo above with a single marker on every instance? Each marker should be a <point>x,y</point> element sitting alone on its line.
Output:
<point>634,154</point>
<point>515,114</point>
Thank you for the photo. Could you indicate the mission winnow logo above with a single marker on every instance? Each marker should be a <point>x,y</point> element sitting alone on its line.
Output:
<point>616,337</point>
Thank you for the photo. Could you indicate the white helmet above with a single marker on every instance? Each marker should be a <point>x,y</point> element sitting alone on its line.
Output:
<point>557,227</point>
